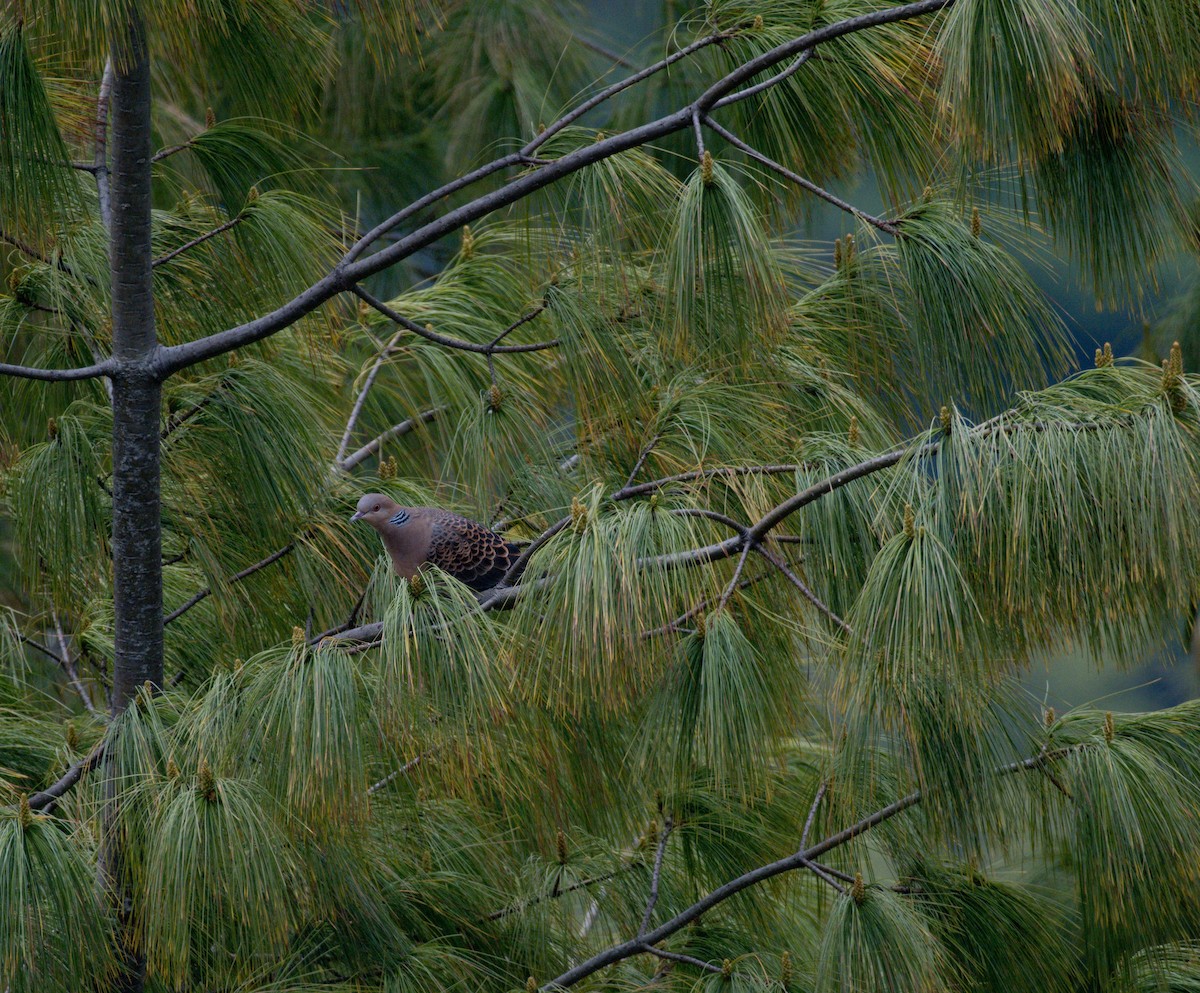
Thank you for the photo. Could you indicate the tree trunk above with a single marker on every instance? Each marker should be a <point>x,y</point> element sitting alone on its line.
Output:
<point>137,389</point>
<point>136,398</point>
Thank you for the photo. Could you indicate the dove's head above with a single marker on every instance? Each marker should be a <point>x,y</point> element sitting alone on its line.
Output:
<point>375,509</point>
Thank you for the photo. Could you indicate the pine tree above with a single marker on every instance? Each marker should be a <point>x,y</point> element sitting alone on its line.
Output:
<point>746,714</point>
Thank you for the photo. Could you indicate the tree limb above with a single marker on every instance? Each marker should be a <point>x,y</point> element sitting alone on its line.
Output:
<point>351,269</point>
<point>395,431</point>
<point>887,226</point>
<point>466,346</point>
<point>799,860</point>
<point>200,239</point>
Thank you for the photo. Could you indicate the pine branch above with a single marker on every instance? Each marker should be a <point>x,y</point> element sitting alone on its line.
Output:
<point>729,136</point>
<point>352,269</point>
<point>199,240</point>
<point>395,431</point>
<point>103,368</point>
<point>802,586</point>
<point>51,794</point>
<point>656,875</point>
<point>362,397</point>
<point>627,491</point>
<point>493,348</point>
<point>799,860</point>
<point>236,578</point>
<point>99,167</point>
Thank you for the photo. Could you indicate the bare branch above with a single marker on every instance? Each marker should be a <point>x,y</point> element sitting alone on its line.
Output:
<point>812,813</point>
<point>766,84</point>
<point>39,801</point>
<point>887,226</point>
<point>99,167</point>
<point>466,346</point>
<point>362,397</point>
<point>600,50</point>
<point>802,586</point>
<point>395,431</point>
<point>799,860</point>
<point>163,153</point>
<point>68,666</point>
<point>662,953</point>
<point>628,491</point>
<point>737,575</point>
<point>199,240</point>
<point>641,461</point>
<point>609,92</point>
<point>352,269</point>
<point>103,368</point>
<point>236,578</point>
<point>656,875</point>
<point>404,770</point>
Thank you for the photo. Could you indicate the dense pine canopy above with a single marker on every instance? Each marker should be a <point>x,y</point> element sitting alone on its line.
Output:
<point>747,712</point>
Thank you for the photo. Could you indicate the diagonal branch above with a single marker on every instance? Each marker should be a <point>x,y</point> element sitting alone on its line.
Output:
<point>802,586</point>
<point>662,953</point>
<point>395,431</point>
<point>188,604</point>
<point>656,875</point>
<point>887,226</point>
<point>362,397</point>
<point>352,269</point>
<point>466,346</point>
<point>798,860</point>
<point>200,239</point>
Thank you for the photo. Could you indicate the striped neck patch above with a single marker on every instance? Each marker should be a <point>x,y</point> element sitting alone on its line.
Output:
<point>399,517</point>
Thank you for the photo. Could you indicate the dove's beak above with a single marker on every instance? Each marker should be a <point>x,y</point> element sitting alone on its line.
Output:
<point>356,516</point>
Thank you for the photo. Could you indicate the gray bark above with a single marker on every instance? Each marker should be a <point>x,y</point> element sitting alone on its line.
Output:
<point>136,399</point>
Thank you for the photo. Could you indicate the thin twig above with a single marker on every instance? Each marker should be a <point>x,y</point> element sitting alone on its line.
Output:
<point>812,813</point>
<point>69,666</point>
<point>656,875</point>
<point>617,87</point>
<point>441,339</point>
<point>628,491</point>
<point>236,578</point>
<point>599,49</point>
<point>362,396</point>
<point>802,586</point>
<point>798,860</point>
<point>163,153</point>
<point>819,871</point>
<point>518,566</point>
<point>200,239</point>
<point>766,84</point>
<point>886,226</point>
<point>395,431</point>
<point>37,646</point>
<point>676,625</point>
<point>641,459</point>
<point>99,167</point>
<point>404,770</point>
<point>737,575</point>
<point>662,953</point>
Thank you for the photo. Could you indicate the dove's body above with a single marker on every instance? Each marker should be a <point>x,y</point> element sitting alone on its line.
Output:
<point>413,536</point>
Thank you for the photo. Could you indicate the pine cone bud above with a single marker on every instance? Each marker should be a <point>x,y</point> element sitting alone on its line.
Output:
<point>1109,727</point>
<point>560,845</point>
<point>468,242</point>
<point>24,814</point>
<point>910,530</point>
<point>858,889</point>
<point>706,168</point>
<point>853,430</point>
<point>976,223</point>
<point>206,784</point>
<point>210,118</point>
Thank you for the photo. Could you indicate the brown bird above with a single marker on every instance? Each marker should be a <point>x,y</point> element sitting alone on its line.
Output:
<point>471,553</point>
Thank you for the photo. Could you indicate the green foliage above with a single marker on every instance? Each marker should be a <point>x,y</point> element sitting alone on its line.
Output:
<point>349,781</point>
